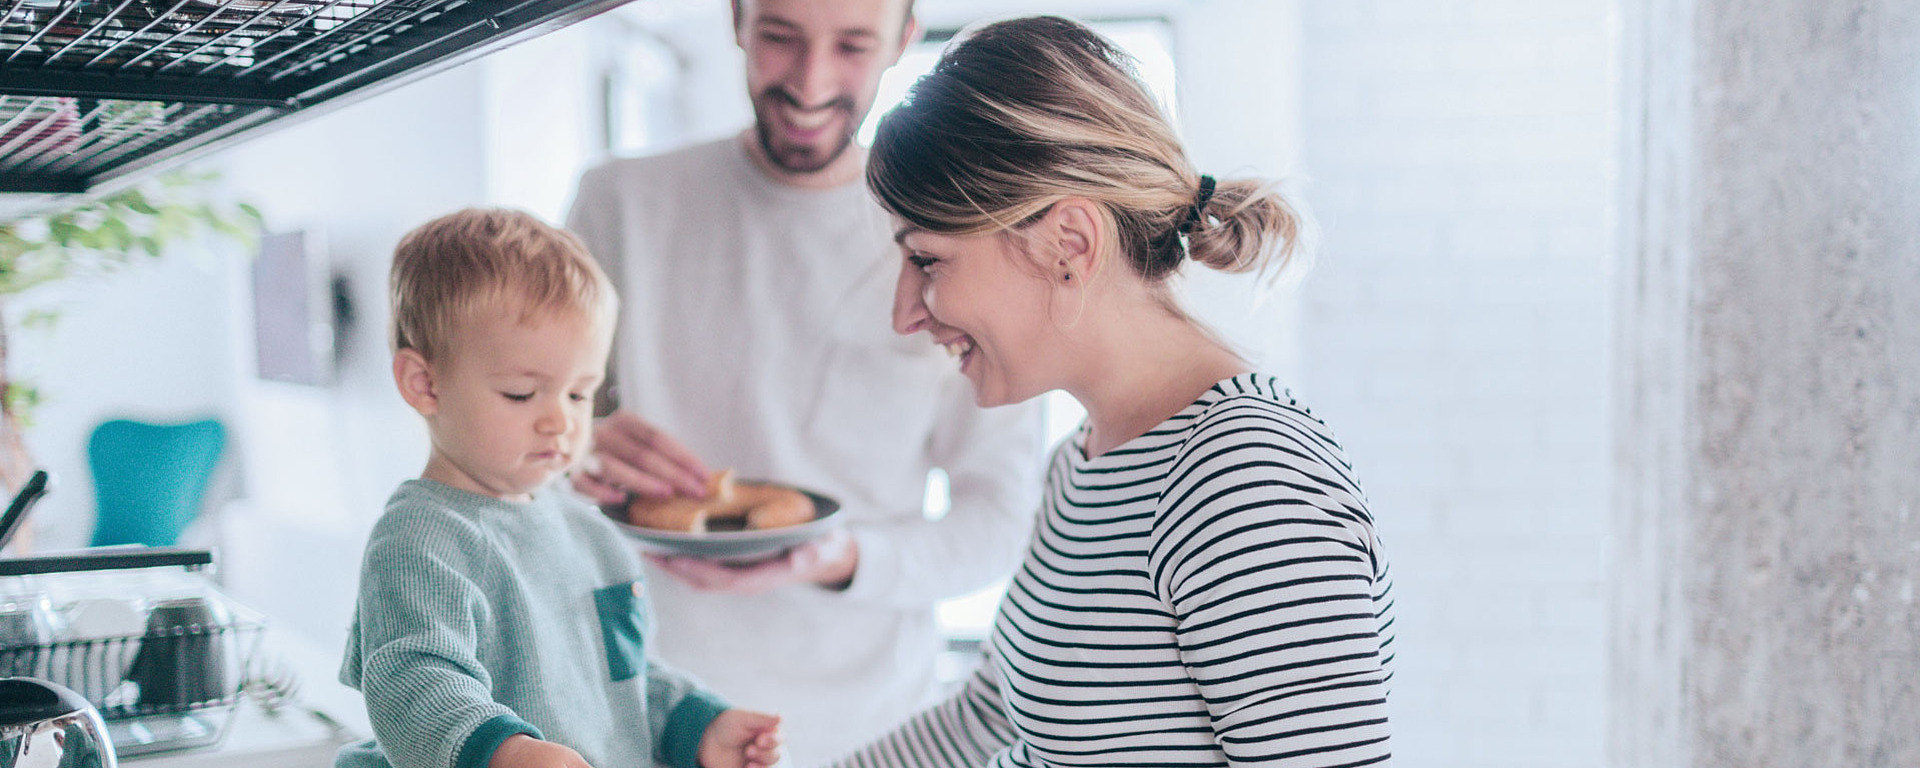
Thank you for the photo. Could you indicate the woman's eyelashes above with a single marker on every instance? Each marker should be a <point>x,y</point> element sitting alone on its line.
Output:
<point>920,262</point>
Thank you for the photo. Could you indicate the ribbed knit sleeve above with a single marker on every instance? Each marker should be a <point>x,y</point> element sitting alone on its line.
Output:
<point>420,613</point>
<point>964,732</point>
<point>1263,551</point>
<point>679,712</point>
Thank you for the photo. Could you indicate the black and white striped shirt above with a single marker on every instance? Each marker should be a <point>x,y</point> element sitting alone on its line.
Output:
<point>1210,593</point>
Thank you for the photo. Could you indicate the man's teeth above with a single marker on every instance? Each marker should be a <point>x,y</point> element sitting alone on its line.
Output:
<point>958,347</point>
<point>808,121</point>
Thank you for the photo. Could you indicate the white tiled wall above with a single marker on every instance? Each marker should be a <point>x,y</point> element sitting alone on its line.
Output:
<point>1455,334</point>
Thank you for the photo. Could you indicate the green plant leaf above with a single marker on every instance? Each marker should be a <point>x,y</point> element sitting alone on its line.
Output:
<point>63,231</point>
<point>21,399</point>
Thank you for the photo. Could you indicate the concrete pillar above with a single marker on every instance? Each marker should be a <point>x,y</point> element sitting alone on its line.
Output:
<point>1767,551</point>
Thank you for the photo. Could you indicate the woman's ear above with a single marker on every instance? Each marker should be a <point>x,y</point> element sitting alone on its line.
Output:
<point>414,377</point>
<point>1071,231</point>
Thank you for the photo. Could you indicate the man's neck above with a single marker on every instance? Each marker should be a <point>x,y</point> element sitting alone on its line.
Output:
<point>844,169</point>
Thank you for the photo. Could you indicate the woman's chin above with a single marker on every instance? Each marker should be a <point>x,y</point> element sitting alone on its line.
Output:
<point>993,396</point>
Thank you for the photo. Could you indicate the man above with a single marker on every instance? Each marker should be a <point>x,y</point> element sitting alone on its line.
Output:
<point>756,278</point>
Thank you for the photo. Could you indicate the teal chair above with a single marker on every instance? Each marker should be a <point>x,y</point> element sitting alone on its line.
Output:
<point>149,480</point>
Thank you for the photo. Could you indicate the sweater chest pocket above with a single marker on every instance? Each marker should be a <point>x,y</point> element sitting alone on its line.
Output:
<point>624,620</point>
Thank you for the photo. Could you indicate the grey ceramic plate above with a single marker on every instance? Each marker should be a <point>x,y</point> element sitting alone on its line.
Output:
<point>739,544</point>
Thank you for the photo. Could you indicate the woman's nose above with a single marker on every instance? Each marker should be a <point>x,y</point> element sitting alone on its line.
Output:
<point>910,302</point>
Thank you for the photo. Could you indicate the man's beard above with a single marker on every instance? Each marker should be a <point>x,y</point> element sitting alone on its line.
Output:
<point>800,158</point>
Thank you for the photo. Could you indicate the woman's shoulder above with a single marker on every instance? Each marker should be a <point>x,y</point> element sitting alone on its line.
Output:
<point>1252,408</point>
<point>1258,470</point>
<point>1251,433</point>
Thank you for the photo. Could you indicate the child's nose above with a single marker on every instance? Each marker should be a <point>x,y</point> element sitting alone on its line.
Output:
<point>554,420</point>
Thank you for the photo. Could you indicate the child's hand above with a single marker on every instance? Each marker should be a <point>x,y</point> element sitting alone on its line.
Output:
<point>523,751</point>
<point>741,739</point>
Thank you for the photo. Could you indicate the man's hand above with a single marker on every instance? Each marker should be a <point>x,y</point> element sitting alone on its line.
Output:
<point>523,751</point>
<point>829,561</point>
<point>631,456</point>
<point>738,738</point>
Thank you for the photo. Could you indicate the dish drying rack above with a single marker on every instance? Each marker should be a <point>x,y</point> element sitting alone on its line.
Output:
<point>167,687</point>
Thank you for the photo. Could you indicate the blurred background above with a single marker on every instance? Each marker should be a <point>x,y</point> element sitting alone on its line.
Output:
<point>1457,329</point>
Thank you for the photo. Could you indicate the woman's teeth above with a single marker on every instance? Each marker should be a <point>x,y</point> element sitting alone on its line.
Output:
<point>959,347</point>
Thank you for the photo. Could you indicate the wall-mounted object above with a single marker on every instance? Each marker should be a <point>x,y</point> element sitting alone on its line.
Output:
<point>293,310</point>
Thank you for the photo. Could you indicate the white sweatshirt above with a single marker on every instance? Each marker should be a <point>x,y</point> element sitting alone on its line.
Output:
<point>755,328</point>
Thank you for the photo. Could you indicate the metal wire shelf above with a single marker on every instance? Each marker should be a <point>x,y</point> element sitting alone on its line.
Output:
<point>92,90</point>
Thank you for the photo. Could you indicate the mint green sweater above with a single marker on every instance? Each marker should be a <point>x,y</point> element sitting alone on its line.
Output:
<point>479,619</point>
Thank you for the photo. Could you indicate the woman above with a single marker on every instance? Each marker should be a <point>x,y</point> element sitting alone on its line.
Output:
<point>1204,585</point>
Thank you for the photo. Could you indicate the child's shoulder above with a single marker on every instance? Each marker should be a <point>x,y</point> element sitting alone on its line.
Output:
<point>422,511</point>
<point>423,530</point>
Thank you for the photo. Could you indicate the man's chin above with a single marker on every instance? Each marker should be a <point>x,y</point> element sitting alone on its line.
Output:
<point>800,161</point>
<point>803,159</point>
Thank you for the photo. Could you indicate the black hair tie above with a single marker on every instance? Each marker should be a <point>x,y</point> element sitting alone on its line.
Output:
<point>1196,213</point>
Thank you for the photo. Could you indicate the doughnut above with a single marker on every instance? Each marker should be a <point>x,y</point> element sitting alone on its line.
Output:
<point>752,505</point>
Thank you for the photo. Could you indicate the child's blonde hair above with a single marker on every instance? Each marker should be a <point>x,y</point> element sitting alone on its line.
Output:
<point>489,259</point>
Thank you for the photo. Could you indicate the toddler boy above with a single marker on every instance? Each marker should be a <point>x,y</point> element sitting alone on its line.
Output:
<point>502,622</point>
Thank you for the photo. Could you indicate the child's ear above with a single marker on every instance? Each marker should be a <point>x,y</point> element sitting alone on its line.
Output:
<point>415,379</point>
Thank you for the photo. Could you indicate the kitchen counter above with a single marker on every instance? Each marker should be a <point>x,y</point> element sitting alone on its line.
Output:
<point>290,738</point>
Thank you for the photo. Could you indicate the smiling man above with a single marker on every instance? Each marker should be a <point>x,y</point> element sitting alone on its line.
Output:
<point>756,277</point>
<point>812,70</point>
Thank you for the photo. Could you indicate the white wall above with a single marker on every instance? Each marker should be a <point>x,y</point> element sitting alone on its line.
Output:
<point>540,107</point>
<point>1455,336</point>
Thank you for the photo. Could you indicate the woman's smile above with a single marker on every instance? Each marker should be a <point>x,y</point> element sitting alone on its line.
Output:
<point>978,298</point>
<point>960,348</point>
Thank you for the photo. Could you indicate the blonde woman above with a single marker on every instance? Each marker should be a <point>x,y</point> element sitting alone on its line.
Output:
<point>1204,585</point>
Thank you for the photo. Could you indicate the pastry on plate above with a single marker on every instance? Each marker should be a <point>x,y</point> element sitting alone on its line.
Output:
<point>728,503</point>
